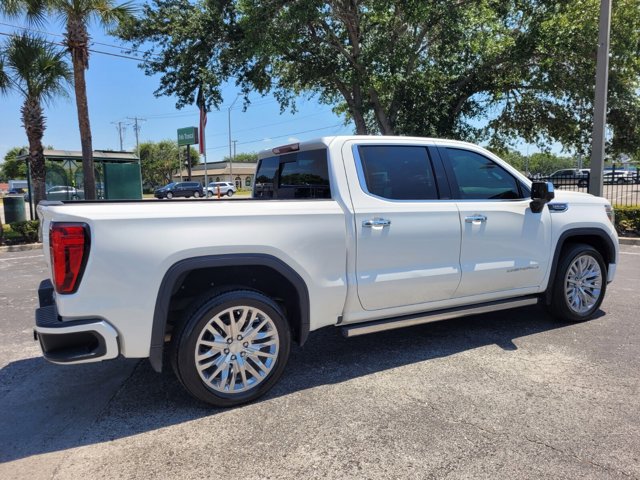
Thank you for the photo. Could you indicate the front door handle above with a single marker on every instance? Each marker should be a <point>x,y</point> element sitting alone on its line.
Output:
<point>376,223</point>
<point>475,219</point>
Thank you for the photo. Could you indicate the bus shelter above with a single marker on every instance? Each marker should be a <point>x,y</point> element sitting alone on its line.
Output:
<point>118,175</point>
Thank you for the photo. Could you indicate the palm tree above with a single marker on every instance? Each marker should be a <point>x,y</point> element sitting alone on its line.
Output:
<point>76,15</point>
<point>36,69</point>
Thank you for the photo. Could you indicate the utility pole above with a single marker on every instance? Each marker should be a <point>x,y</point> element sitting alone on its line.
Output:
<point>233,160</point>
<point>121,126</point>
<point>230,153</point>
<point>136,129</point>
<point>600,103</point>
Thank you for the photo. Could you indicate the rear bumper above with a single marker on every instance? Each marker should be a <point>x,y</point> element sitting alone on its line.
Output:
<point>69,342</point>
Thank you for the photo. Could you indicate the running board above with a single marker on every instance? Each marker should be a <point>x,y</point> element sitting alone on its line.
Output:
<point>436,316</point>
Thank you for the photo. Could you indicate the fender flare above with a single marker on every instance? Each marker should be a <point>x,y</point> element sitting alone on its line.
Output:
<point>577,232</point>
<point>183,267</point>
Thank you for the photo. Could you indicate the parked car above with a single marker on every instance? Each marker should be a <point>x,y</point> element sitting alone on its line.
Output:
<point>363,233</point>
<point>180,189</point>
<point>226,188</point>
<point>61,193</point>
<point>570,176</point>
<point>64,192</point>
<point>619,177</point>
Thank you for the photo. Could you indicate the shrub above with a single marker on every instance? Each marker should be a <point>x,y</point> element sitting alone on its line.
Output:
<point>27,229</point>
<point>627,220</point>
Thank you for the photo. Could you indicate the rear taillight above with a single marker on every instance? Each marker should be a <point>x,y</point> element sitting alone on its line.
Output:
<point>69,245</point>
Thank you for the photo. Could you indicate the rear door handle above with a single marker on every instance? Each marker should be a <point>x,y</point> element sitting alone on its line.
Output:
<point>475,219</point>
<point>376,223</point>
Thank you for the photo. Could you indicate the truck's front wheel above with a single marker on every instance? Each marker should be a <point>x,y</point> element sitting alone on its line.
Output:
<point>232,348</point>
<point>580,283</point>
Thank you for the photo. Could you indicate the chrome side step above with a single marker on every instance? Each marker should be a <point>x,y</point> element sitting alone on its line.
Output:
<point>436,316</point>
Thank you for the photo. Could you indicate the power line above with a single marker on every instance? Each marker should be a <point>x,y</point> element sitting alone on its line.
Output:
<point>89,49</point>
<point>30,29</point>
<point>169,116</point>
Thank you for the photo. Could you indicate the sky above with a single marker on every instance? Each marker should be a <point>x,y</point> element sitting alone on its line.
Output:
<point>118,91</point>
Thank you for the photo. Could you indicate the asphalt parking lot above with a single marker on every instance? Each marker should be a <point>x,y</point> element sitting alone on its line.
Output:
<point>505,395</point>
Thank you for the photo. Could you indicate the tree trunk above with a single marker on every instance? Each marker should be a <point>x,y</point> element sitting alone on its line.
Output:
<point>381,116</point>
<point>33,122</point>
<point>85,132</point>
<point>77,42</point>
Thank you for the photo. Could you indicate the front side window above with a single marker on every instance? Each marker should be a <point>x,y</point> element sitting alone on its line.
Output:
<point>398,172</point>
<point>477,177</point>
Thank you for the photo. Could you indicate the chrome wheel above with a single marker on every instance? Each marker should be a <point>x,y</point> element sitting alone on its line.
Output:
<point>583,284</point>
<point>237,349</point>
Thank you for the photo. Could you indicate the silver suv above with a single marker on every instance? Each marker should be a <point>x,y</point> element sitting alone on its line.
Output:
<point>226,188</point>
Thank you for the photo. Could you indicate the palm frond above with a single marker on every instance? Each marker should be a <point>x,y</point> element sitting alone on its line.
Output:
<point>4,77</point>
<point>108,14</point>
<point>35,11</point>
<point>36,67</point>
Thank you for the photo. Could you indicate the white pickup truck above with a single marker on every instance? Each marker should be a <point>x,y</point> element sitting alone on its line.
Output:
<point>363,233</point>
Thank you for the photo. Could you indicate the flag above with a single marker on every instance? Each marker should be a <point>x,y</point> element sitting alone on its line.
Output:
<point>203,120</point>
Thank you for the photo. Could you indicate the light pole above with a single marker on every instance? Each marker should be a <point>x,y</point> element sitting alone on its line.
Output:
<point>600,103</point>
<point>230,153</point>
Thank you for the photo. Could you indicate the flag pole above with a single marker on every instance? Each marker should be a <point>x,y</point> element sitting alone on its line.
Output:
<point>206,177</point>
<point>203,145</point>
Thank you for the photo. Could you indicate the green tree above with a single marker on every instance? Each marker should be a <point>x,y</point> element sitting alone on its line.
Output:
<point>76,16</point>
<point>547,163</point>
<point>12,168</point>
<point>36,69</point>
<point>499,70</point>
<point>243,158</point>
<point>160,161</point>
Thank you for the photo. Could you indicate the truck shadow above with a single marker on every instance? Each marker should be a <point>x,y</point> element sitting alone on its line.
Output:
<point>49,408</point>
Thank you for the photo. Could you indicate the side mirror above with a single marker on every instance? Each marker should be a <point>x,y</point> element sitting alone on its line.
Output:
<point>541,193</point>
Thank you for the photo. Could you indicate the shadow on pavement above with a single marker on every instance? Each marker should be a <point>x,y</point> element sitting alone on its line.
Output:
<point>48,408</point>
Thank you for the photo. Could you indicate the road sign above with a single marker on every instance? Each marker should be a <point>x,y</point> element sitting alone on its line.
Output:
<point>187,136</point>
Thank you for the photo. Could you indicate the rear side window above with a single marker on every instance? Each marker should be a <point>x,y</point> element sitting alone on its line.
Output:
<point>477,177</point>
<point>398,172</point>
<point>297,175</point>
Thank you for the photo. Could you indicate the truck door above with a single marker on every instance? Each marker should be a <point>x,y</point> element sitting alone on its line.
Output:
<point>505,246</point>
<point>407,238</point>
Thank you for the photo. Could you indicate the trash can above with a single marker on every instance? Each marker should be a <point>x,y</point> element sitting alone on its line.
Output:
<point>14,209</point>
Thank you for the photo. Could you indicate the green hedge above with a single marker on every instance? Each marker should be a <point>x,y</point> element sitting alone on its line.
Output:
<point>21,232</point>
<point>627,220</point>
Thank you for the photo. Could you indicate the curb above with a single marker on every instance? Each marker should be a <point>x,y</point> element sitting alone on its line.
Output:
<point>21,248</point>
<point>629,241</point>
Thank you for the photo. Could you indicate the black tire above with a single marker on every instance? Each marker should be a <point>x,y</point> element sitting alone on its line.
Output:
<point>620,181</point>
<point>169,195</point>
<point>188,335</point>
<point>196,194</point>
<point>560,306</point>
<point>583,183</point>
<point>229,193</point>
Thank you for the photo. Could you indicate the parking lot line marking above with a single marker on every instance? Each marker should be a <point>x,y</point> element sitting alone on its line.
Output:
<point>20,258</point>
<point>629,253</point>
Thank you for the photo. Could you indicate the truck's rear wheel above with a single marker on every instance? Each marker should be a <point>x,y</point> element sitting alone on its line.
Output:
<point>580,283</point>
<point>232,348</point>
